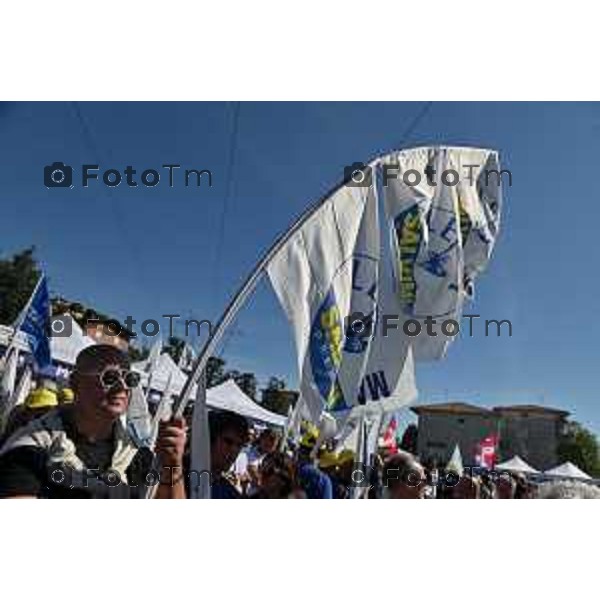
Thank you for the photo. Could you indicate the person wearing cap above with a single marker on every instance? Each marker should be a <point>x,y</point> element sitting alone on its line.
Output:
<point>335,466</point>
<point>65,396</point>
<point>83,450</point>
<point>38,402</point>
<point>315,483</point>
<point>265,445</point>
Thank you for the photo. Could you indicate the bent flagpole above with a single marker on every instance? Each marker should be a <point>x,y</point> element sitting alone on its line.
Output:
<point>435,265</point>
<point>242,295</point>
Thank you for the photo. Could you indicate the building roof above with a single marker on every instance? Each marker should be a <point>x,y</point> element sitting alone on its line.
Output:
<point>457,408</point>
<point>462,408</point>
<point>532,409</point>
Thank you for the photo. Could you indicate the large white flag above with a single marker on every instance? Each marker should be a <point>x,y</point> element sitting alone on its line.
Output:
<point>328,279</point>
<point>313,278</point>
<point>443,207</point>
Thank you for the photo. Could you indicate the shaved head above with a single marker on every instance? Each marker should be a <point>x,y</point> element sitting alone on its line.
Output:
<point>98,356</point>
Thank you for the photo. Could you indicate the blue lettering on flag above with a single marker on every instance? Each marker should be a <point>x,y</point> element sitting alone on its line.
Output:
<point>36,325</point>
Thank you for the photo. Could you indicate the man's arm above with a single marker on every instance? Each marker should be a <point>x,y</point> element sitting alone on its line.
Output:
<point>169,449</point>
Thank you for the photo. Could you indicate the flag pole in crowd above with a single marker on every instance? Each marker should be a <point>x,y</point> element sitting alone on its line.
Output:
<point>16,327</point>
<point>238,301</point>
<point>326,267</point>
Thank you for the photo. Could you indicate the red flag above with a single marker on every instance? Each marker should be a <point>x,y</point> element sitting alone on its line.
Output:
<point>389,437</point>
<point>485,455</point>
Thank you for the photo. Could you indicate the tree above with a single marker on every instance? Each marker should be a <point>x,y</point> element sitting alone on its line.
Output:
<point>246,382</point>
<point>215,371</point>
<point>18,277</point>
<point>276,398</point>
<point>137,353</point>
<point>174,348</point>
<point>580,446</point>
<point>276,384</point>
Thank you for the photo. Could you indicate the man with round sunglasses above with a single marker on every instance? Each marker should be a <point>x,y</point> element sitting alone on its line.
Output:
<point>83,450</point>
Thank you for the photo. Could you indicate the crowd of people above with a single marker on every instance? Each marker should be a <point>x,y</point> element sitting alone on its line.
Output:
<point>74,443</point>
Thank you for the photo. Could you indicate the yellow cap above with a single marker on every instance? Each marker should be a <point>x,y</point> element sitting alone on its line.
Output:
<point>345,456</point>
<point>328,460</point>
<point>310,434</point>
<point>66,396</point>
<point>41,398</point>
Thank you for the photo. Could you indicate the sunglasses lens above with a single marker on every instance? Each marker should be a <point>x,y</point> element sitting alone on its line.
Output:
<point>132,379</point>
<point>110,378</point>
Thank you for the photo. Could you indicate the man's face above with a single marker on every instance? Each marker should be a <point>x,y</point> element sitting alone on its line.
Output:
<point>225,450</point>
<point>268,443</point>
<point>97,399</point>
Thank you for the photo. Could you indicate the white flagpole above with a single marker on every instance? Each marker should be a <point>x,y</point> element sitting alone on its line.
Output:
<point>200,449</point>
<point>243,293</point>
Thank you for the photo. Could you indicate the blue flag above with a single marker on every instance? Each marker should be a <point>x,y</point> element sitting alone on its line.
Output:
<point>36,324</point>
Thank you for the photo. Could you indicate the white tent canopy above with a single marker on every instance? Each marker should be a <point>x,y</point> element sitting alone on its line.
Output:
<point>65,349</point>
<point>516,464</point>
<point>164,369</point>
<point>228,396</point>
<point>567,470</point>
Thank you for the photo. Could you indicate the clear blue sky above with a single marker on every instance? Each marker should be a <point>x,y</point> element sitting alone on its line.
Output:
<point>148,251</point>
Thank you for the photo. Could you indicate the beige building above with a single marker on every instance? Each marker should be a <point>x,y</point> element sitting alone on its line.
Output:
<point>530,431</point>
<point>442,426</point>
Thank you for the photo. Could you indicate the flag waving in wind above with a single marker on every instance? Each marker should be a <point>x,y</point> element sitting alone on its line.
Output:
<point>328,280</point>
<point>443,231</point>
<point>35,323</point>
<point>318,276</point>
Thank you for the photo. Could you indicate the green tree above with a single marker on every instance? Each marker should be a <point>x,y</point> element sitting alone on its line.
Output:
<point>276,398</point>
<point>137,353</point>
<point>580,446</point>
<point>174,348</point>
<point>246,382</point>
<point>18,276</point>
<point>215,371</point>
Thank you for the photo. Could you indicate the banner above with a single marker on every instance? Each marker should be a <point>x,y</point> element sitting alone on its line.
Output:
<point>485,453</point>
<point>36,324</point>
<point>313,277</point>
<point>443,230</point>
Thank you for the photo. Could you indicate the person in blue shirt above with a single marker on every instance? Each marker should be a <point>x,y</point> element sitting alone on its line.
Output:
<point>315,483</point>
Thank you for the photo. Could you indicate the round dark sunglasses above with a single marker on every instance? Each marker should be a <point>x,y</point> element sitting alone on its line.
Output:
<point>112,377</point>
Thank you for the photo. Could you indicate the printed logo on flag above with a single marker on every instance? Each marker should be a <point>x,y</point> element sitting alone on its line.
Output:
<point>331,336</point>
<point>325,352</point>
<point>409,237</point>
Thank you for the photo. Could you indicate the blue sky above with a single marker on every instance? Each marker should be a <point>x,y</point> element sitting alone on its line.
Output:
<point>149,251</point>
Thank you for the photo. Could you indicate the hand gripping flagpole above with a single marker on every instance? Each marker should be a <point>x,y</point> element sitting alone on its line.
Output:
<point>242,295</point>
